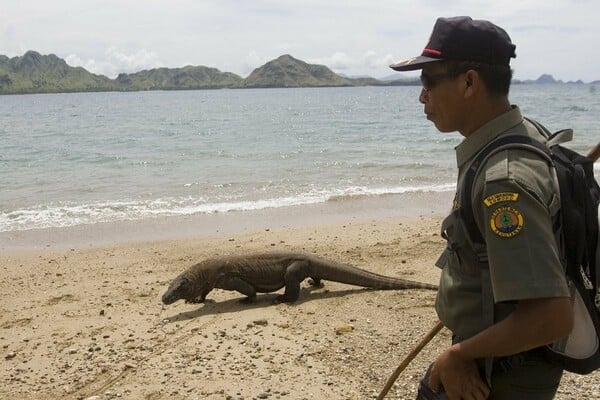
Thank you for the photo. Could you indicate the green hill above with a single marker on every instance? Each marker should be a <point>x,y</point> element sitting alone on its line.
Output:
<point>35,73</point>
<point>286,71</point>
<point>188,77</point>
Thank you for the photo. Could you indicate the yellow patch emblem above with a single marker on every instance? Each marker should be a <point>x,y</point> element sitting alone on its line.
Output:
<point>500,197</point>
<point>507,222</point>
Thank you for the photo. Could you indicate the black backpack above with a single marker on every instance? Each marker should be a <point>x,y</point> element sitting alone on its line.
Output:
<point>576,230</point>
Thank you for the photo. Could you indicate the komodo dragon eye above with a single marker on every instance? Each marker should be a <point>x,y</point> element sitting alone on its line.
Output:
<point>183,286</point>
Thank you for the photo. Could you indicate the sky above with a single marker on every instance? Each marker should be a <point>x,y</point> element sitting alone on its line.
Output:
<point>352,37</point>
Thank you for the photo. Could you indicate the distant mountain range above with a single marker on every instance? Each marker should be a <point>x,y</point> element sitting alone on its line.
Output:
<point>36,73</point>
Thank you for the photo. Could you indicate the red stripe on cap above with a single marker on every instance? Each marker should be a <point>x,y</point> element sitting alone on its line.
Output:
<point>432,52</point>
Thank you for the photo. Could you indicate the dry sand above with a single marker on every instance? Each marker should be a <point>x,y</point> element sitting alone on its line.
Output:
<point>85,321</point>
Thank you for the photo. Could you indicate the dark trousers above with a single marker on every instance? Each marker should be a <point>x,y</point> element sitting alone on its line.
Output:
<point>526,376</point>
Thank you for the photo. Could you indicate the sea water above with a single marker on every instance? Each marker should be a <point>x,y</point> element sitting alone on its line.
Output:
<point>82,158</point>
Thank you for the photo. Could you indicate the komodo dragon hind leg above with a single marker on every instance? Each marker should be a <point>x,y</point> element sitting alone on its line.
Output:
<point>241,286</point>
<point>295,273</point>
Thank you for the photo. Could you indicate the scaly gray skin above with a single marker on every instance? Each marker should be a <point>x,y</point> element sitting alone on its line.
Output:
<point>269,272</point>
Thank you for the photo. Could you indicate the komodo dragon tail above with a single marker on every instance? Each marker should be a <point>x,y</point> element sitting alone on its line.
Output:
<point>343,273</point>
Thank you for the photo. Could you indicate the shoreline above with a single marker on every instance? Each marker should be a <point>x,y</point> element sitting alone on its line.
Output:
<point>359,209</point>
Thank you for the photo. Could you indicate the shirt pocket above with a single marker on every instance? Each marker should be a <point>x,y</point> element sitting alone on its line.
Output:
<point>458,252</point>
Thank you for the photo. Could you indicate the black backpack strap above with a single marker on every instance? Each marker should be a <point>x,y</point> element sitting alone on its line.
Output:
<point>541,128</point>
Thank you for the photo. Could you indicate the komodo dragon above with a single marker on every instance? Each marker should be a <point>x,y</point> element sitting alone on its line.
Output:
<point>270,272</point>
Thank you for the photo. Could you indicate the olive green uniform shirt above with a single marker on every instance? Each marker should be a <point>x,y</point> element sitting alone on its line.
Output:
<point>514,203</point>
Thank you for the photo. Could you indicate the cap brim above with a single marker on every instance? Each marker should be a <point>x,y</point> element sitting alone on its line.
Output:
<point>413,63</point>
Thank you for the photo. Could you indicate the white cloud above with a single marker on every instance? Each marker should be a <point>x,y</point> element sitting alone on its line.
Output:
<point>116,61</point>
<point>338,61</point>
<point>374,61</point>
<point>253,61</point>
<point>369,62</point>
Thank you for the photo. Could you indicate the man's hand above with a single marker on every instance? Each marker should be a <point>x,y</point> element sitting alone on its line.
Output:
<point>459,377</point>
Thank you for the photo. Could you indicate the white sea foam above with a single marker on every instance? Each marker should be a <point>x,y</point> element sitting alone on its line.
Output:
<point>64,215</point>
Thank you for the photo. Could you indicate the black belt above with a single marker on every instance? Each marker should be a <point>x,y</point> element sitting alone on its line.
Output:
<point>507,363</point>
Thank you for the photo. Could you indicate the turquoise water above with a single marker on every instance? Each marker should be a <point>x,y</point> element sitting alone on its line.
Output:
<point>69,159</point>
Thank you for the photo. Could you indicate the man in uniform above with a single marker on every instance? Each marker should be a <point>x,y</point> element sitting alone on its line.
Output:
<point>505,300</point>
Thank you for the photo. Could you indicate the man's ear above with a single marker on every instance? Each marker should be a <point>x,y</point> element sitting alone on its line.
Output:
<point>471,82</point>
<point>470,77</point>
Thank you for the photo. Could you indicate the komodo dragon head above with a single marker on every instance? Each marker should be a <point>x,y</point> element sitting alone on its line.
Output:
<point>192,285</point>
<point>180,288</point>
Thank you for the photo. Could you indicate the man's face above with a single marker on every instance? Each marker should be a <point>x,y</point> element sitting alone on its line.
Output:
<point>442,97</point>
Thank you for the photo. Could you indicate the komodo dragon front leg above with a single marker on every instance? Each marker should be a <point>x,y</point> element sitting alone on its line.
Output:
<point>238,284</point>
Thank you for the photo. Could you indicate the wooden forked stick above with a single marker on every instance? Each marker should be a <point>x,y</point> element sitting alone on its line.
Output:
<point>426,339</point>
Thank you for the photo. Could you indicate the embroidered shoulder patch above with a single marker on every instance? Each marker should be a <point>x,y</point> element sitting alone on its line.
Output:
<point>506,222</point>
<point>499,197</point>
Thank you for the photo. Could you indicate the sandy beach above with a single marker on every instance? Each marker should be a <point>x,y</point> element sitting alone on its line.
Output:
<point>82,316</point>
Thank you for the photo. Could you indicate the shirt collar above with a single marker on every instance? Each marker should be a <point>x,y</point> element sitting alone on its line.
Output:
<point>482,136</point>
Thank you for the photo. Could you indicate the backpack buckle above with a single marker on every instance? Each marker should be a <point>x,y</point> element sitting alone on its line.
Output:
<point>587,283</point>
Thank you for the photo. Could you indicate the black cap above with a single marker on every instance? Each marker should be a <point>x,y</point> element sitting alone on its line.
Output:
<point>463,39</point>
